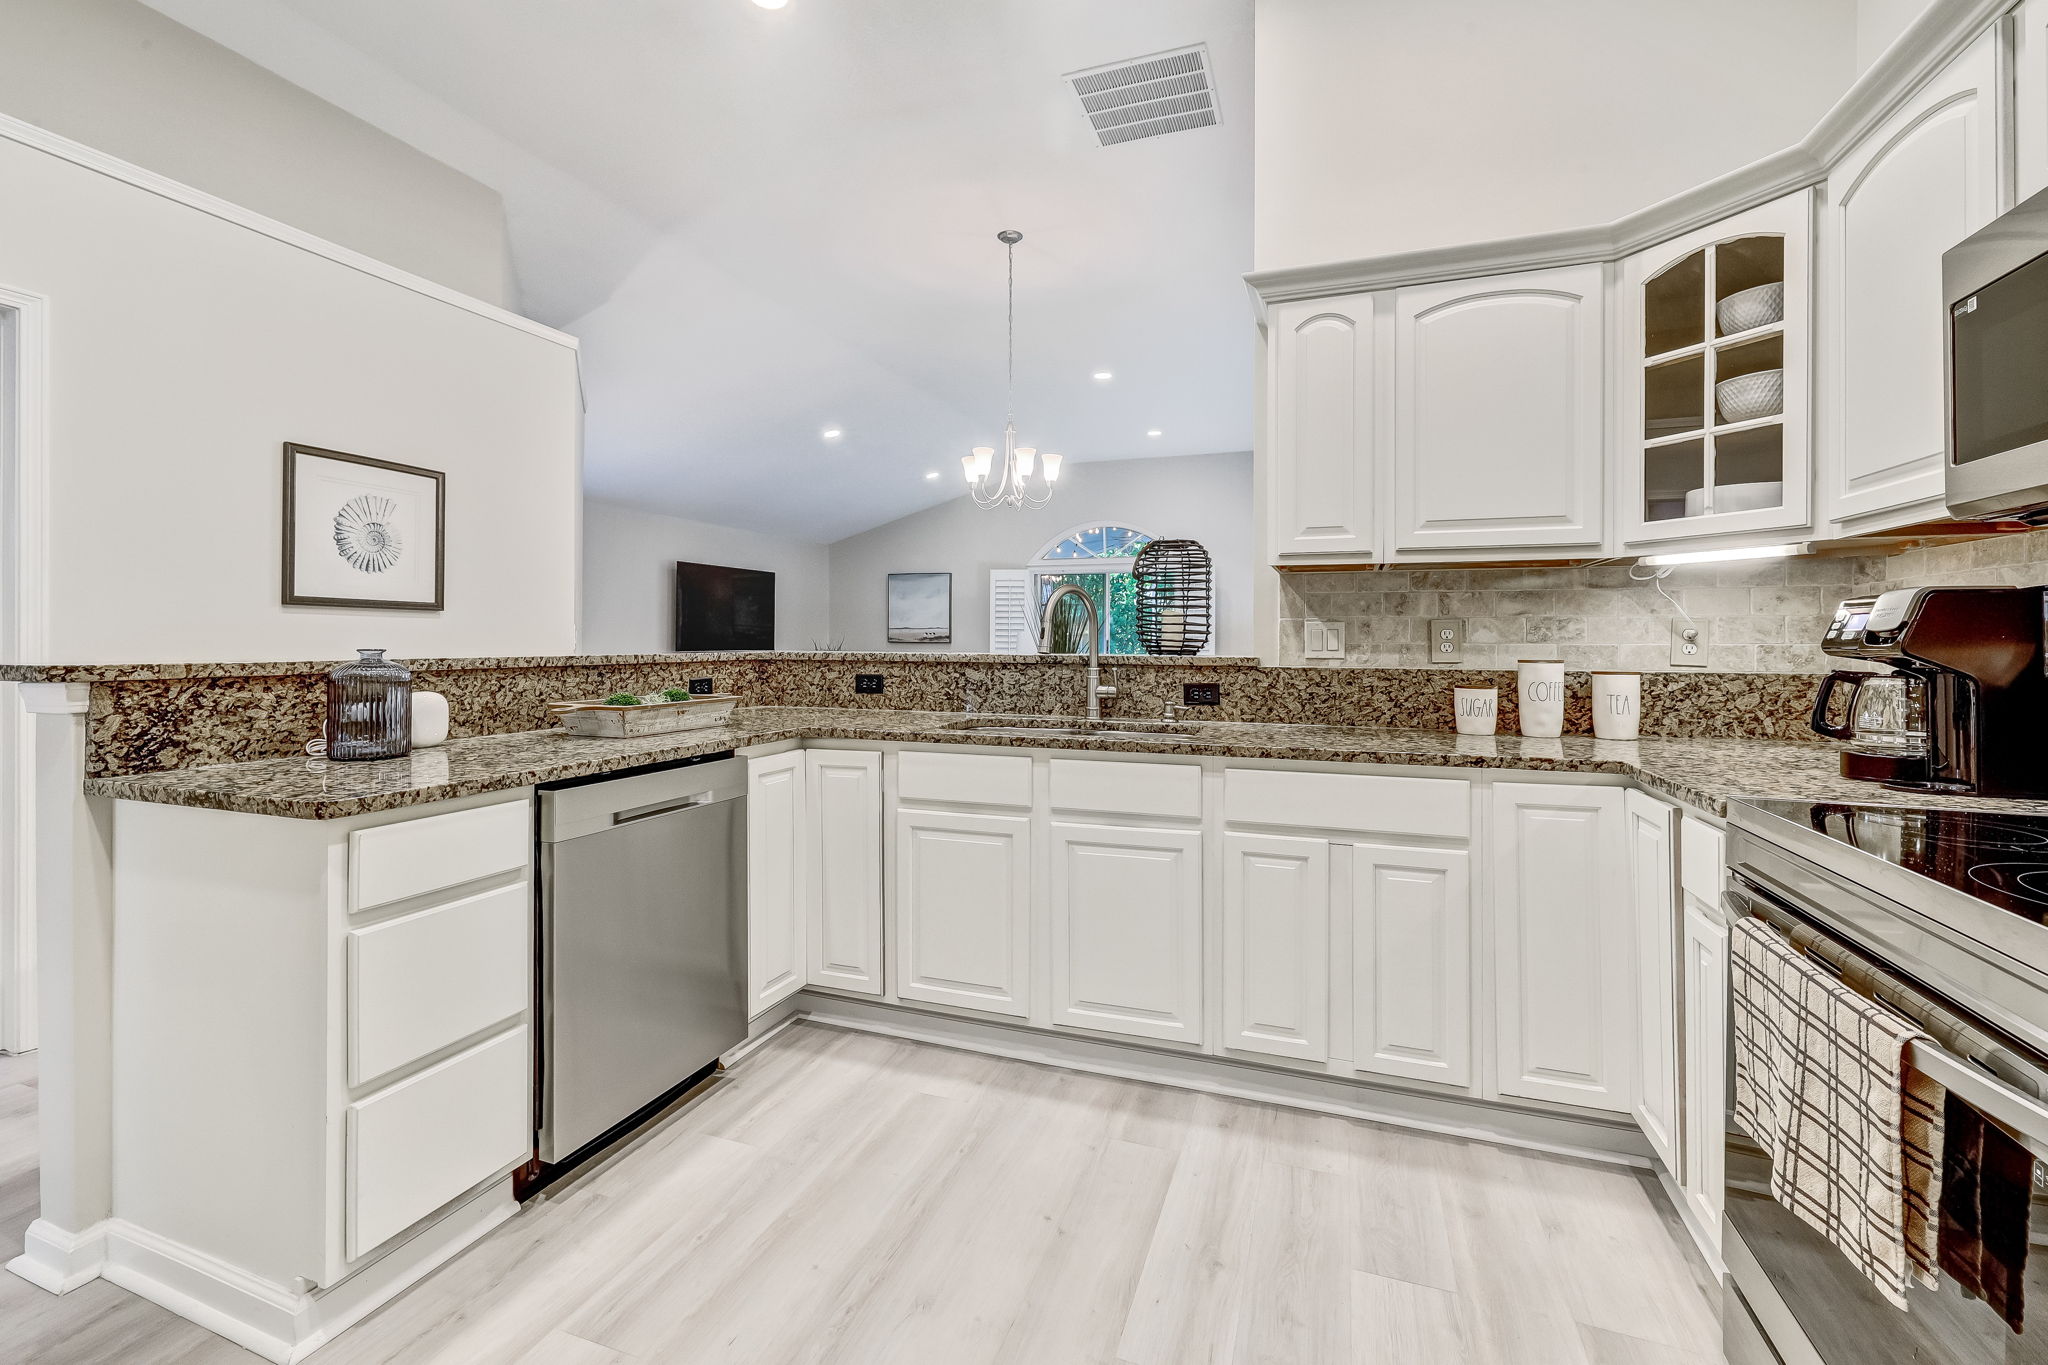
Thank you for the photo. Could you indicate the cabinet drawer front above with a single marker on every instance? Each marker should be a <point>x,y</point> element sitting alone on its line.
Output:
<point>425,980</point>
<point>410,858</point>
<point>1701,857</point>
<point>434,1136</point>
<point>1171,789</point>
<point>1436,807</point>
<point>969,779</point>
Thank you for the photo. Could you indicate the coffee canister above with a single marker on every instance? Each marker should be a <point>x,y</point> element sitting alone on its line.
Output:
<point>1539,695</point>
<point>1477,709</point>
<point>1617,705</point>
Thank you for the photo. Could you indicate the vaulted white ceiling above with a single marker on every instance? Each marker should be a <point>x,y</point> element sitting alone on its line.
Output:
<point>764,223</point>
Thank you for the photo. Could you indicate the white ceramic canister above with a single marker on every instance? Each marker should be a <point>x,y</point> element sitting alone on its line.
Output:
<point>1539,694</point>
<point>1617,705</point>
<point>1477,709</point>
<point>429,719</point>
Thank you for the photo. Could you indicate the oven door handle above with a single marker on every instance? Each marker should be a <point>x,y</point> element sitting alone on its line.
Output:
<point>2020,1114</point>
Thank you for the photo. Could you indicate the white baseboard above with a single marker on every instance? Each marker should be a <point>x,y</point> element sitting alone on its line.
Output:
<point>1617,1142</point>
<point>276,1321</point>
<point>60,1261</point>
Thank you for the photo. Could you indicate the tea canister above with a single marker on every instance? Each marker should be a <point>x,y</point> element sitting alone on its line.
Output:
<point>369,708</point>
<point>1617,704</point>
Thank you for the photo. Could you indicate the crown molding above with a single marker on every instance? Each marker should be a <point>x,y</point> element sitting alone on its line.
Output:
<point>1927,45</point>
<point>127,172</point>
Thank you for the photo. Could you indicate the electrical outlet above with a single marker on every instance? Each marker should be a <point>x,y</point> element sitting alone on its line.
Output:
<point>1322,639</point>
<point>1447,640</point>
<point>870,683</point>
<point>1688,644</point>
<point>1201,694</point>
<point>700,687</point>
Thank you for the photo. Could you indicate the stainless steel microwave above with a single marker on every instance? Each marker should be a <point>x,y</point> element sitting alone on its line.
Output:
<point>1995,288</point>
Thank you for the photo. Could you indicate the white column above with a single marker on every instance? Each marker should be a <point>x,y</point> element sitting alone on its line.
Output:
<point>75,922</point>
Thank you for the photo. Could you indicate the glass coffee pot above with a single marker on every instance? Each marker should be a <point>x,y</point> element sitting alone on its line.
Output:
<point>1885,725</point>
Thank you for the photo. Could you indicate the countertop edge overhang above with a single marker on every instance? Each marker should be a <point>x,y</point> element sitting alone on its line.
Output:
<point>1701,773</point>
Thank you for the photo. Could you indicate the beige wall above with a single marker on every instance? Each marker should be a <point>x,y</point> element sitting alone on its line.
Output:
<point>121,78</point>
<point>1388,125</point>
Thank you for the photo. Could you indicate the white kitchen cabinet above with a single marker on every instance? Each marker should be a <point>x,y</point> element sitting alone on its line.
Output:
<point>1499,441</point>
<point>1126,930</point>
<point>1653,883</point>
<point>777,848</point>
<point>1276,945</point>
<point>1411,942</point>
<point>1923,180</point>
<point>1320,413</point>
<point>1687,468</point>
<point>1706,1063</point>
<point>843,793</point>
<point>963,910</point>
<point>2030,98</point>
<point>1563,953</point>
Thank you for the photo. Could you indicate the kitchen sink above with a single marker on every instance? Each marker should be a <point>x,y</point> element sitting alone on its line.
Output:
<point>1066,727</point>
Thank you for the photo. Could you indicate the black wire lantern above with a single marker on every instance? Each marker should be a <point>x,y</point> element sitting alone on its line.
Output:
<point>1174,596</point>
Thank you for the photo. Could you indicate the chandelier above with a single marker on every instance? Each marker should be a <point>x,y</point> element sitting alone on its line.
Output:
<point>1014,485</point>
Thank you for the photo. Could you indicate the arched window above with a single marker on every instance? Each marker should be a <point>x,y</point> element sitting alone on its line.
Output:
<point>1097,559</point>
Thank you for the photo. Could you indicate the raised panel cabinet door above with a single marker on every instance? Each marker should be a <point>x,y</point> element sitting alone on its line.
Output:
<point>1927,178</point>
<point>1412,963</point>
<point>963,910</point>
<point>1653,882</point>
<point>1127,930</point>
<point>1320,396</point>
<point>1498,436</point>
<point>775,879</point>
<point>1276,945</point>
<point>844,792</point>
<point>1564,957</point>
<point>2030,98</point>
<point>1706,1063</point>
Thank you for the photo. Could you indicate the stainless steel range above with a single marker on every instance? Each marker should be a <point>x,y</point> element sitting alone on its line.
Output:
<point>1946,913</point>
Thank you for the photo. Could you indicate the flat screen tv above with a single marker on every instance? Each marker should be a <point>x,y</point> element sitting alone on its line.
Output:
<point>722,608</point>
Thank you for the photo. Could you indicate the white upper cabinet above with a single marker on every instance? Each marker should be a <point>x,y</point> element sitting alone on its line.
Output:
<point>1411,945</point>
<point>1499,441</point>
<point>1924,180</point>
<point>963,910</point>
<point>2030,98</point>
<point>1320,403</point>
<point>843,790</point>
<point>1653,890</point>
<point>1727,305</point>
<point>1564,962</point>
<point>1126,930</point>
<point>1276,945</point>
<point>776,853</point>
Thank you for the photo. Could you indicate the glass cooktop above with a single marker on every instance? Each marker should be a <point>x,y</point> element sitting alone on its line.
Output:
<point>1997,858</point>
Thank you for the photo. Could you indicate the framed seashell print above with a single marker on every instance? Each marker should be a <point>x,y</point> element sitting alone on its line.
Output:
<point>360,532</point>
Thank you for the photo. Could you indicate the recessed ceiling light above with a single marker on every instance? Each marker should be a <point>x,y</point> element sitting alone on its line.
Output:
<point>1102,376</point>
<point>832,433</point>
<point>931,473</point>
<point>771,4</point>
<point>1155,432</point>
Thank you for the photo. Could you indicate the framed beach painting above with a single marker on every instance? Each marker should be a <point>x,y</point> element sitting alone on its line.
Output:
<point>920,609</point>
<point>360,532</point>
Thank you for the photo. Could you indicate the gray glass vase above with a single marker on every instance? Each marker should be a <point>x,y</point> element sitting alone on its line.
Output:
<point>369,708</point>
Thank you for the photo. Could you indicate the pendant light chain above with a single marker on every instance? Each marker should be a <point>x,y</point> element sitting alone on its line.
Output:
<point>1010,333</point>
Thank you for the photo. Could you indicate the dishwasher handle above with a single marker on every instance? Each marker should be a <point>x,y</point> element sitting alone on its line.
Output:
<point>648,812</point>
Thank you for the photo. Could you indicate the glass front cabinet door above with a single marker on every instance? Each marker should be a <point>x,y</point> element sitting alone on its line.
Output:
<point>1714,371</point>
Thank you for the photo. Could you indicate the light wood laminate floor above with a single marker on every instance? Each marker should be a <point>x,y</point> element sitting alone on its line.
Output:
<point>848,1198</point>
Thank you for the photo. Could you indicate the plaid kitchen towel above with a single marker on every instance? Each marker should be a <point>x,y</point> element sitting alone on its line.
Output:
<point>1821,1084</point>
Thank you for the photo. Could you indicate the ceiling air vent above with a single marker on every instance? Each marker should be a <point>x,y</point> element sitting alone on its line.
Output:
<point>1167,93</point>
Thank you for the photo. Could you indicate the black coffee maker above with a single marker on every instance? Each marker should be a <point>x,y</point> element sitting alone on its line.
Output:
<point>1962,709</point>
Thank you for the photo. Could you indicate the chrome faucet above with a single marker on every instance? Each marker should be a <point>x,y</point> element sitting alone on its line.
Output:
<point>1096,691</point>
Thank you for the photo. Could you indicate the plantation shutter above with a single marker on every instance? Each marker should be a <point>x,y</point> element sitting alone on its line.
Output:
<point>1010,626</point>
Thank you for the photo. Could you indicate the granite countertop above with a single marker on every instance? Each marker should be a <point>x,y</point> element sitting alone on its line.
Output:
<point>1703,773</point>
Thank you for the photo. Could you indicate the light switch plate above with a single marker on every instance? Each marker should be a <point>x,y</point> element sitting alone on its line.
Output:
<point>1447,640</point>
<point>1688,644</point>
<point>1322,639</point>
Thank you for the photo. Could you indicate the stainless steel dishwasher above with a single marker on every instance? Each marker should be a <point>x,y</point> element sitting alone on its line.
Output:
<point>642,942</point>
